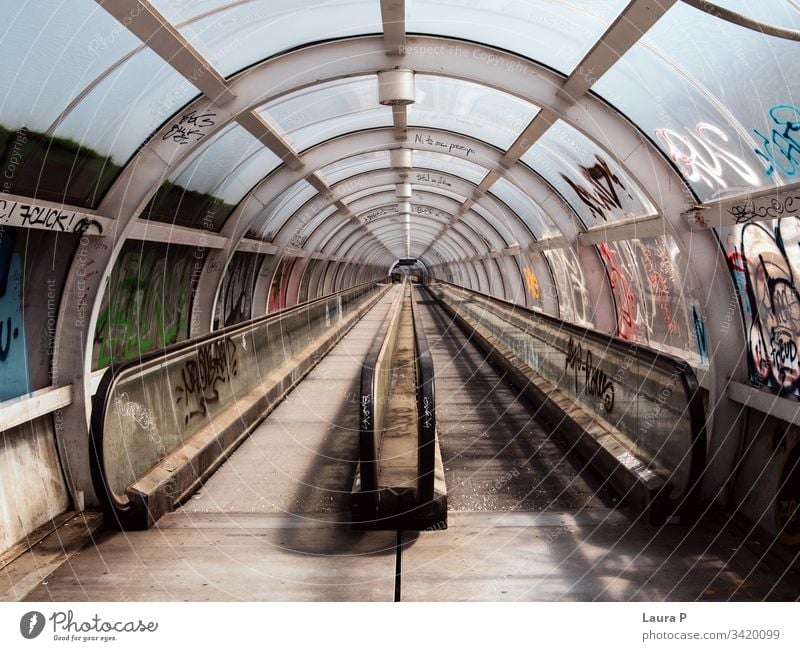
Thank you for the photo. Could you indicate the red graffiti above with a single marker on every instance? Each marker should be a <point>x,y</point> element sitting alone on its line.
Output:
<point>626,299</point>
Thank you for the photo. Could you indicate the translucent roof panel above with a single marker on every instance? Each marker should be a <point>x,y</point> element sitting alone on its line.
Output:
<point>281,209</point>
<point>235,35</point>
<point>437,189</point>
<point>124,109</point>
<point>52,50</point>
<point>450,164</point>
<point>555,32</point>
<point>299,239</point>
<point>596,187</point>
<point>574,302</point>
<point>712,125</point>
<point>528,210</point>
<point>205,189</point>
<point>327,110</point>
<point>353,165</point>
<point>474,110</point>
<point>369,191</point>
<point>501,225</point>
<point>782,13</point>
<point>227,166</point>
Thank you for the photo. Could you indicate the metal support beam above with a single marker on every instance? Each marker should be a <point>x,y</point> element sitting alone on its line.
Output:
<point>393,15</point>
<point>400,117</point>
<point>763,205</point>
<point>256,125</point>
<point>150,231</point>
<point>615,231</point>
<point>621,36</point>
<point>147,24</point>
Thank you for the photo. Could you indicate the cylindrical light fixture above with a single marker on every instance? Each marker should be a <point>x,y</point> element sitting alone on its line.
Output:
<point>400,159</point>
<point>396,87</point>
<point>404,190</point>
<point>404,207</point>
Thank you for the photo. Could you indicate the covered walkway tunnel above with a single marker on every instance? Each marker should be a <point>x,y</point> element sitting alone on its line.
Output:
<point>294,290</point>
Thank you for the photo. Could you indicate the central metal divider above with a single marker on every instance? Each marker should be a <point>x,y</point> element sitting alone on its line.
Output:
<point>400,481</point>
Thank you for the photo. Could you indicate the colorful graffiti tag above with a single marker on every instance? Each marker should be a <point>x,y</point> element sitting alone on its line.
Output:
<point>769,259</point>
<point>703,156</point>
<point>623,293</point>
<point>780,148</point>
<point>145,306</point>
<point>13,351</point>
<point>532,283</point>
<point>661,279</point>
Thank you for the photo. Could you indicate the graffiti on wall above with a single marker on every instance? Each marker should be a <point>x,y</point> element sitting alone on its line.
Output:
<point>704,156</point>
<point>532,283</point>
<point>573,293</point>
<point>605,191</point>
<point>146,302</point>
<point>661,280</point>
<point>700,334</point>
<point>238,287</point>
<point>596,382</point>
<point>13,351</point>
<point>623,293</point>
<point>215,364</point>
<point>780,148</point>
<point>769,258</point>
<point>280,285</point>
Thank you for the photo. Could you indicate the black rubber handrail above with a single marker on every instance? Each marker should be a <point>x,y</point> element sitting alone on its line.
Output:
<point>670,363</point>
<point>115,372</point>
<point>367,434</point>
<point>426,412</point>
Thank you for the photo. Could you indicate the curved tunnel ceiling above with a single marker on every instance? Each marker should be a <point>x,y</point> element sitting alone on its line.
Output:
<point>533,127</point>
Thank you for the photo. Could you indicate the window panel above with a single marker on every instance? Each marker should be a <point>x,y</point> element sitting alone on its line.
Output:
<point>474,110</point>
<point>281,209</point>
<point>324,111</point>
<point>713,125</point>
<point>591,182</point>
<point>668,296</point>
<point>783,13</point>
<point>58,54</point>
<point>353,165</point>
<point>304,231</point>
<point>449,164</point>
<point>235,35</point>
<point>555,32</point>
<point>206,188</point>
<point>574,304</point>
<point>501,225</point>
<point>527,209</point>
<point>123,110</point>
<point>52,50</point>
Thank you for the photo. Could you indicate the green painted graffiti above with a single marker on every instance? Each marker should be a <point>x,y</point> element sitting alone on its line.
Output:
<point>145,306</point>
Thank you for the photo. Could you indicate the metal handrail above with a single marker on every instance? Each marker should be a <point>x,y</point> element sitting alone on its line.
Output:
<point>372,404</point>
<point>118,372</point>
<point>670,363</point>
<point>426,412</point>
